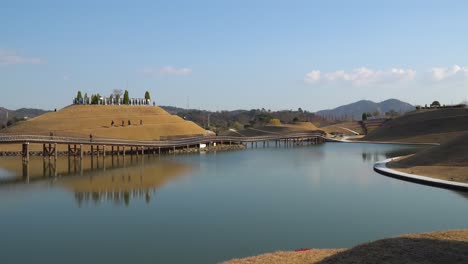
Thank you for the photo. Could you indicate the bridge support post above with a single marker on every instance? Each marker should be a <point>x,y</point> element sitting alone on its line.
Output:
<point>81,151</point>
<point>104,151</point>
<point>123,151</point>
<point>142,150</point>
<point>55,151</point>
<point>25,152</point>
<point>159,150</point>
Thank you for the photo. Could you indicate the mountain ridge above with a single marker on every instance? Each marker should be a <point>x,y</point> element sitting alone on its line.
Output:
<point>356,109</point>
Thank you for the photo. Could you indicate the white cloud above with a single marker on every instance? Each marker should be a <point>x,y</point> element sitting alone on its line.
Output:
<point>312,77</point>
<point>167,70</point>
<point>8,57</point>
<point>442,73</point>
<point>361,76</point>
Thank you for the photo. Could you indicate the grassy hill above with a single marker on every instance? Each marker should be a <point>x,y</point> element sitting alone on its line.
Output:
<point>274,130</point>
<point>425,126</point>
<point>449,161</point>
<point>83,120</point>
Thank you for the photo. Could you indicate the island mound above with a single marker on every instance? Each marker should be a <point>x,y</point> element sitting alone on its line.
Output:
<point>108,121</point>
<point>280,129</point>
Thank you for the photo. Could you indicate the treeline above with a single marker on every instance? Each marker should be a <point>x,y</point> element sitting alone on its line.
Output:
<point>239,119</point>
<point>116,97</point>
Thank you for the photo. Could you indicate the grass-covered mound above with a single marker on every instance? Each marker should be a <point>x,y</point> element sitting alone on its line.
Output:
<point>269,130</point>
<point>449,161</point>
<point>83,120</point>
<point>425,126</point>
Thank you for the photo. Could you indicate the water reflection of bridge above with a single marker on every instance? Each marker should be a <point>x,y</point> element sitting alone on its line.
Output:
<point>94,179</point>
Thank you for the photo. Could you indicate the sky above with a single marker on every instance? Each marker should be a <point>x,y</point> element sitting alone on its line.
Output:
<point>237,54</point>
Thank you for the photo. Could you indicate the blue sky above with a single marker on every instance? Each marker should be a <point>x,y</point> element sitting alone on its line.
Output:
<point>234,54</point>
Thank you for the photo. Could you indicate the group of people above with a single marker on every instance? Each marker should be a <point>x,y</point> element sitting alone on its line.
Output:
<point>112,124</point>
<point>129,123</point>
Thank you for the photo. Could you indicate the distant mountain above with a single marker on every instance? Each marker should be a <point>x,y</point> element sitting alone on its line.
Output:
<point>356,109</point>
<point>19,114</point>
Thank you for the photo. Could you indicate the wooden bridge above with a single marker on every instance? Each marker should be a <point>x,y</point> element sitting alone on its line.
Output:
<point>123,146</point>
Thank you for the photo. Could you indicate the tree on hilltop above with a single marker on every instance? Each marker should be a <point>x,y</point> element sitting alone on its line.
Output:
<point>126,99</point>
<point>79,97</point>
<point>435,104</point>
<point>147,95</point>
<point>95,98</point>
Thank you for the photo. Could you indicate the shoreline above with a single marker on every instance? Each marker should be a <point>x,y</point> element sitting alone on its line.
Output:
<point>382,168</point>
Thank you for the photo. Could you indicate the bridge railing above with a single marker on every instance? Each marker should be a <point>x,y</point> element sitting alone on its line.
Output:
<point>154,143</point>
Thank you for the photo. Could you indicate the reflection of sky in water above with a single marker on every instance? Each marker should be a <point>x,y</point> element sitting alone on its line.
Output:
<point>6,174</point>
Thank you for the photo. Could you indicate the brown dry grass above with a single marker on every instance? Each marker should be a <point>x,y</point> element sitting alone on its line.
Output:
<point>82,120</point>
<point>355,126</point>
<point>275,129</point>
<point>435,247</point>
<point>431,126</point>
<point>287,257</point>
<point>449,161</point>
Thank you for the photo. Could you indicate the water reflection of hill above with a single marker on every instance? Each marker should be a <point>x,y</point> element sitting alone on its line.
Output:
<point>379,155</point>
<point>115,179</point>
<point>119,185</point>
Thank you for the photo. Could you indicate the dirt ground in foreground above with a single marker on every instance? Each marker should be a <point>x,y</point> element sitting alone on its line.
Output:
<point>435,247</point>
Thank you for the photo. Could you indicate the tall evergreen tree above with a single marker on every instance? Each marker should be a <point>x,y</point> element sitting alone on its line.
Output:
<point>126,99</point>
<point>79,97</point>
<point>147,95</point>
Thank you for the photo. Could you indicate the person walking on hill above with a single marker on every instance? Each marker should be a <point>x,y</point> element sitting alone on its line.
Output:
<point>90,137</point>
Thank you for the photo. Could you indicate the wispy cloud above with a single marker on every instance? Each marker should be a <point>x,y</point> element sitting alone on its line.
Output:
<point>361,76</point>
<point>167,70</point>
<point>443,73</point>
<point>9,57</point>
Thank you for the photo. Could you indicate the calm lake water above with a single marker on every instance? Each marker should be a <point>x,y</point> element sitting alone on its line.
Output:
<point>212,207</point>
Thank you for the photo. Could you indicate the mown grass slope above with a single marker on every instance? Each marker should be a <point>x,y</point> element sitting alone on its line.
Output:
<point>428,126</point>
<point>268,130</point>
<point>83,120</point>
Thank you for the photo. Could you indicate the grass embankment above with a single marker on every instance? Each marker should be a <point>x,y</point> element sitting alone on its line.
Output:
<point>83,120</point>
<point>427,126</point>
<point>343,128</point>
<point>449,161</point>
<point>269,130</point>
<point>435,247</point>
